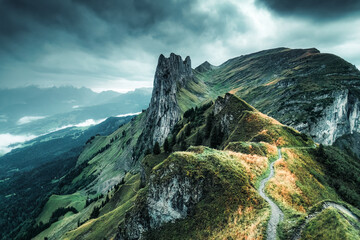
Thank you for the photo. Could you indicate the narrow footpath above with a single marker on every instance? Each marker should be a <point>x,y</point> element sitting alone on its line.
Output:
<point>276,214</point>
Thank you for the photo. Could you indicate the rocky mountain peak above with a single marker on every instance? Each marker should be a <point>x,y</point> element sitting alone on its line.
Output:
<point>172,68</point>
<point>171,74</point>
<point>204,67</point>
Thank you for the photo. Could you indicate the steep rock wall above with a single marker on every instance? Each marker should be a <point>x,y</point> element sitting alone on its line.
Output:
<point>171,74</point>
<point>170,196</point>
<point>341,117</point>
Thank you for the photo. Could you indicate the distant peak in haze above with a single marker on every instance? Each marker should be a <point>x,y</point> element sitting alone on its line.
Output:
<point>70,88</point>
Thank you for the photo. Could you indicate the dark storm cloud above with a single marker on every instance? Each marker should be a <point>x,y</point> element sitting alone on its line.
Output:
<point>120,19</point>
<point>316,9</point>
<point>79,36</point>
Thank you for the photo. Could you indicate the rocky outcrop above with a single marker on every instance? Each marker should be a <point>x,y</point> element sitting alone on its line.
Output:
<point>233,106</point>
<point>339,118</point>
<point>171,74</point>
<point>170,195</point>
<point>172,199</point>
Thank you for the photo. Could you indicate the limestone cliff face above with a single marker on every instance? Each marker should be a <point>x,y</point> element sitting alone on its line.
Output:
<point>171,74</point>
<point>173,199</point>
<point>170,196</point>
<point>339,118</point>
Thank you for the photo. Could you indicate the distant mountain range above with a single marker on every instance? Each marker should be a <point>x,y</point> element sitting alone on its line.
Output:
<point>34,110</point>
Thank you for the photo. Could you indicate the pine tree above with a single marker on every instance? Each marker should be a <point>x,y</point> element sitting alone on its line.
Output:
<point>188,130</point>
<point>148,151</point>
<point>95,213</point>
<point>213,138</point>
<point>166,145</point>
<point>183,146</point>
<point>156,149</point>
<point>173,140</point>
<point>209,123</point>
<point>216,137</point>
<point>199,139</point>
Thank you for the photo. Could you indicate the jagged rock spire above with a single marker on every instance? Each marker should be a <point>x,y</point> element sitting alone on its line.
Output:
<point>171,74</point>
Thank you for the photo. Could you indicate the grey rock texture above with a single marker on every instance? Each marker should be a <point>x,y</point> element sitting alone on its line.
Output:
<point>171,74</point>
<point>339,118</point>
<point>226,118</point>
<point>350,143</point>
<point>136,223</point>
<point>170,196</point>
<point>172,199</point>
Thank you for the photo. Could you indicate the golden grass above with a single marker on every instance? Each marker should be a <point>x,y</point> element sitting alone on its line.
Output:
<point>280,141</point>
<point>271,149</point>
<point>245,223</point>
<point>273,82</point>
<point>270,119</point>
<point>254,165</point>
<point>283,186</point>
<point>294,186</point>
<point>235,90</point>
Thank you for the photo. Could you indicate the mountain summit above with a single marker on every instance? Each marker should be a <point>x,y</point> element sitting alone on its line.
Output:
<point>171,74</point>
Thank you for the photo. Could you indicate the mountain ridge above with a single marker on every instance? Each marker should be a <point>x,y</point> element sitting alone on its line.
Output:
<point>314,83</point>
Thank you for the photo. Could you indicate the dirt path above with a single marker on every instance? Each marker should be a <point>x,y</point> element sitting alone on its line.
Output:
<point>276,214</point>
<point>326,205</point>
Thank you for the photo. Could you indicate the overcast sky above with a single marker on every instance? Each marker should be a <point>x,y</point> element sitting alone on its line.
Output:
<point>115,44</point>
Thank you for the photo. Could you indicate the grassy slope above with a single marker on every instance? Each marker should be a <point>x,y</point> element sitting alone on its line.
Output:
<point>192,94</point>
<point>342,172</point>
<point>230,208</point>
<point>302,182</point>
<point>330,224</point>
<point>105,226</point>
<point>294,187</point>
<point>247,124</point>
<point>75,200</point>
<point>104,170</point>
<point>107,164</point>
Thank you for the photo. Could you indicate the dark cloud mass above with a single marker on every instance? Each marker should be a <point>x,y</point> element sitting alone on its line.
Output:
<point>117,20</point>
<point>114,44</point>
<point>317,9</point>
<point>44,36</point>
